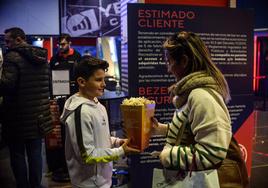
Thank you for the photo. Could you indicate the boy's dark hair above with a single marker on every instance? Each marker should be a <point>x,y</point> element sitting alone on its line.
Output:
<point>16,32</point>
<point>88,65</point>
<point>65,36</point>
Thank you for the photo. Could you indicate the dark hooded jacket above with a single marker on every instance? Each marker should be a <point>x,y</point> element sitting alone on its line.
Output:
<point>25,89</point>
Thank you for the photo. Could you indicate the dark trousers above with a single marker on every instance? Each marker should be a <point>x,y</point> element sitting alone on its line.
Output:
<point>26,176</point>
<point>7,179</point>
<point>56,158</point>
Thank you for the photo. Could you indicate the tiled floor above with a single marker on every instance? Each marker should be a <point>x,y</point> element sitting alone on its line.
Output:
<point>48,183</point>
<point>259,169</point>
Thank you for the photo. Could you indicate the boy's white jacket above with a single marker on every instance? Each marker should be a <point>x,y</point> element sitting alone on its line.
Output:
<point>93,166</point>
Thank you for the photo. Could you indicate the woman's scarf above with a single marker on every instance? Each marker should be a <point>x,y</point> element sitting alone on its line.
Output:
<point>181,90</point>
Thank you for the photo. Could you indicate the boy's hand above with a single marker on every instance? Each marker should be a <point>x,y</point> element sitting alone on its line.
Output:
<point>122,141</point>
<point>129,150</point>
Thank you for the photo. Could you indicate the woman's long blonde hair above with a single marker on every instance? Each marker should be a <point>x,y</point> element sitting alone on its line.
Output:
<point>190,44</point>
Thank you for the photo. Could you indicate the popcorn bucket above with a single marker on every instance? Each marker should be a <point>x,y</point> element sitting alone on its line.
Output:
<point>137,124</point>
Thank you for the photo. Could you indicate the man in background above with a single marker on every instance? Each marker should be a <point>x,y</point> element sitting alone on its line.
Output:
<point>26,117</point>
<point>63,60</point>
<point>6,175</point>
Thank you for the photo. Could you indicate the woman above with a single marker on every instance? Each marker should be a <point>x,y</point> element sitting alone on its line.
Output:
<point>200,135</point>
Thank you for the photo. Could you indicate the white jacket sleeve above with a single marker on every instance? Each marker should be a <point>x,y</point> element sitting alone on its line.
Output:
<point>87,149</point>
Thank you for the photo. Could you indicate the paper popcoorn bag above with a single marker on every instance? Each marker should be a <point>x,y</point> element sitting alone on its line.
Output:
<point>137,122</point>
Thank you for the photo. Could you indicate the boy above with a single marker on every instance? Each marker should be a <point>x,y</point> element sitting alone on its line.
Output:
<point>88,149</point>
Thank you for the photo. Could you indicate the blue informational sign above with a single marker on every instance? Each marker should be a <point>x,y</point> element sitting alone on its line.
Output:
<point>228,34</point>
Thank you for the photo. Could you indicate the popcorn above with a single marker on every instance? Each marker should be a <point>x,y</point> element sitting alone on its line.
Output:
<point>137,113</point>
<point>137,101</point>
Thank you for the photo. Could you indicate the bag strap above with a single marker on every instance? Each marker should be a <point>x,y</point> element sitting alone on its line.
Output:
<point>194,165</point>
<point>178,140</point>
<point>233,144</point>
<point>78,130</point>
<point>181,130</point>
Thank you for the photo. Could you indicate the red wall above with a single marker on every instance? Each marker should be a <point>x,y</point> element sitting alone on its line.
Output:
<point>212,3</point>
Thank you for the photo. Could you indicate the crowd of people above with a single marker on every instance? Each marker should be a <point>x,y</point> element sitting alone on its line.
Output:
<point>25,89</point>
<point>199,135</point>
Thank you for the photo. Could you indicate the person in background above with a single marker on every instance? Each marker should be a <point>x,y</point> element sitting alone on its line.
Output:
<point>89,147</point>
<point>64,59</point>
<point>6,175</point>
<point>1,61</point>
<point>201,120</point>
<point>26,117</point>
<point>1,98</point>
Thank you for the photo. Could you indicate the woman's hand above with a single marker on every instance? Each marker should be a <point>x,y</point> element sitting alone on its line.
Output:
<point>158,128</point>
<point>155,123</point>
<point>164,157</point>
